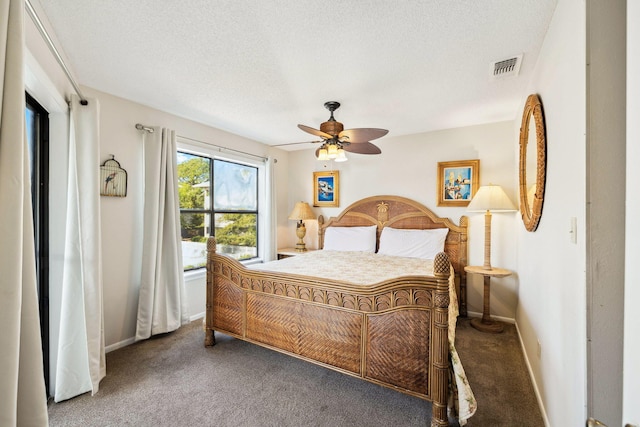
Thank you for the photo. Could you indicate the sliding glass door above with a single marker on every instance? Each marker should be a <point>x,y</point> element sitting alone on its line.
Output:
<point>37,127</point>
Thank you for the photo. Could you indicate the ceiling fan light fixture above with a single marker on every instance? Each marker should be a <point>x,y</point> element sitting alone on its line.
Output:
<point>341,157</point>
<point>332,151</point>
<point>335,140</point>
<point>322,154</point>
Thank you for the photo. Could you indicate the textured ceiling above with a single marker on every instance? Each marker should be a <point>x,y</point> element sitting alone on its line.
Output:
<point>258,68</point>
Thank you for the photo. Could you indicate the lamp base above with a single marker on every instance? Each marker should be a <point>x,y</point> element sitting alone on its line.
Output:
<point>301,230</point>
<point>490,326</point>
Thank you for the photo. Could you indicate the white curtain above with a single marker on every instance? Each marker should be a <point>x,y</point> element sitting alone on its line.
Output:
<point>162,302</point>
<point>271,215</point>
<point>22,393</point>
<point>81,355</point>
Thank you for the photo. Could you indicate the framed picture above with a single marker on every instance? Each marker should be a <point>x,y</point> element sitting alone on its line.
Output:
<point>326,188</point>
<point>113,179</point>
<point>457,182</point>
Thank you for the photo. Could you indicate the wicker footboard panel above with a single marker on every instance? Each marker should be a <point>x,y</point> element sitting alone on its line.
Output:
<point>391,347</point>
<point>329,336</point>
<point>391,356</point>
<point>394,335</point>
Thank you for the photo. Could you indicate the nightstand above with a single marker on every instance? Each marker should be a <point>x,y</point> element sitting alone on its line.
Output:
<point>287,252</point>
<point>486,324</point>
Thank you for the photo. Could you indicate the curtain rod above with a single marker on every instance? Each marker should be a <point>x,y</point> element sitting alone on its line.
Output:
<point>144,128</point>
<point>150,130</point>
<point>52,48</point>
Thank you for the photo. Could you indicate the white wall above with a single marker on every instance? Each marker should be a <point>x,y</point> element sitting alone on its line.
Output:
<point>122,217</point>
<point>408,167</point>
<point>552,297</point>
<point>631,409</point>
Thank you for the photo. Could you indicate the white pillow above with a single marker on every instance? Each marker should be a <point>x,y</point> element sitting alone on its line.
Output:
<point>423,244</point>
<point>350,238</point>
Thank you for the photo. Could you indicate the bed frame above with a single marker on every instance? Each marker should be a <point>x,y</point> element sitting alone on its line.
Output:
<point>360,331</point>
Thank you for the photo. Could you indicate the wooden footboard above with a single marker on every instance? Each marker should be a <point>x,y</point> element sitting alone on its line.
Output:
<point>394,334</point>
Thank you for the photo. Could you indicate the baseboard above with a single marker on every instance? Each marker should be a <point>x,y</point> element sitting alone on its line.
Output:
<point>120,344</point>
<point>196,316</point>
<point>533,380</point>
<point>498,318</point>
<point>129,341</point>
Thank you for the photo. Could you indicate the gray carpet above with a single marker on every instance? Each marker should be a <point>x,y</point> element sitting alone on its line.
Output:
<point>173,380</point>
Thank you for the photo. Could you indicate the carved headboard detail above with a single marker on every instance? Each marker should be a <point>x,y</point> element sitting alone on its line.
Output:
<point>383,214</point>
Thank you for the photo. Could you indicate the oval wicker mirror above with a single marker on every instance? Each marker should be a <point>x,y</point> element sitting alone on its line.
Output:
<point>533,162</point>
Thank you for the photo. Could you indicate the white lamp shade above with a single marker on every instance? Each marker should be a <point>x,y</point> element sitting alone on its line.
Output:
<point>322,154</point>
<point>491,198</point>
<point>342,157</point>
<point>332,151</point>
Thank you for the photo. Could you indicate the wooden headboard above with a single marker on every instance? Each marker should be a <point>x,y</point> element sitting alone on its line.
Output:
<point>401,212</point>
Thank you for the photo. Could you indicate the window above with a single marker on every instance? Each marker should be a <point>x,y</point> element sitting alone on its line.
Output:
<point>218,195</point>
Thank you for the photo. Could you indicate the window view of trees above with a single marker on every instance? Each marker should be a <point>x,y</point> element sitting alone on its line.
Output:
<point>193,183</point>
<point>237,230</point>
<point>234,216</point>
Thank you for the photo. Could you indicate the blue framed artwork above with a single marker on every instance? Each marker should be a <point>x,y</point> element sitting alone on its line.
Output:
<point>326,188</point>
<point>457,182</point>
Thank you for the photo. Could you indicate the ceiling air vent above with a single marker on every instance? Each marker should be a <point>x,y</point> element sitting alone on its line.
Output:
<point>507,67</point>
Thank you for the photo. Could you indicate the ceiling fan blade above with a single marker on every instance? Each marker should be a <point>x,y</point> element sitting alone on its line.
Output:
<point>362,148</point>
<point>356,136</point>
<point>297,143</point>
<point>315,132</point>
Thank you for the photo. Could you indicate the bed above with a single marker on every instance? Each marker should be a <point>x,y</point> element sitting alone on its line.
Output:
<point>396,331</point>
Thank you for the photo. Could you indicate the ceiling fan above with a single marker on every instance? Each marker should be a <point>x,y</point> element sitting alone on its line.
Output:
<point>335,140</point>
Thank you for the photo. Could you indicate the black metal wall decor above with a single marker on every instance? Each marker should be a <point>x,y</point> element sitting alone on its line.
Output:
<point>113,179</point>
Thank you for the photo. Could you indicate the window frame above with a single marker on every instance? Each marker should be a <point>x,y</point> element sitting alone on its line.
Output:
<point>213,154</point>
<point>39,158</point>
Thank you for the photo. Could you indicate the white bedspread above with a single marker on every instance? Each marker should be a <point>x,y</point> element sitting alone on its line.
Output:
<point>365,268</point>
<point>359,268</point>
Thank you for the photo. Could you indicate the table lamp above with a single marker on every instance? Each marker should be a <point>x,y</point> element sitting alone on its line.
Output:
<point>490,198</point>
<point>301,211</point>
